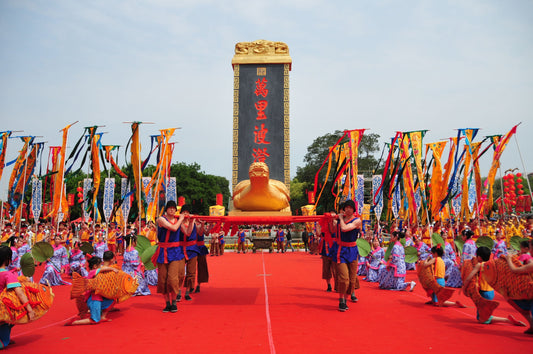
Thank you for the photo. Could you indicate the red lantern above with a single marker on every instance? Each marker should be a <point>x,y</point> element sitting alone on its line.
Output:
<point>520,191</point>
<point>518,175</point>
<point>506,190</point>
<point>80,201</point>
<point>79,189</point>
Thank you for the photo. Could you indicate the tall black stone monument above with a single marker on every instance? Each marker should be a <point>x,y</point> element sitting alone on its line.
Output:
<point>261,109</point>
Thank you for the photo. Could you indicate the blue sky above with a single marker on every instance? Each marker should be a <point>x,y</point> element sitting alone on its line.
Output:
<point>383,65</point>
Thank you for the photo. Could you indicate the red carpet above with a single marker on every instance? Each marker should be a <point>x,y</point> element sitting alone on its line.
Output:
<point>230,314</point>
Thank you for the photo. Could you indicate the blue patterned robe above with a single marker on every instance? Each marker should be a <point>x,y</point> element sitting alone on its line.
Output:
<point>99,249</point>
<point>375,264</point>
<point>499,248</point>
<point>393,276</point>
<point>469,250</point>
<point>362,268</point>
<point>77,263</point>
<point>132,265</point>
<point>52,272</point>
<point>423,251</point>
<point>453,274</point>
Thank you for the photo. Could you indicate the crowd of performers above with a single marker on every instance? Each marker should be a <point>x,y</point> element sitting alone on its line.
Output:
<point>342,265</point>
<point>181,258</point>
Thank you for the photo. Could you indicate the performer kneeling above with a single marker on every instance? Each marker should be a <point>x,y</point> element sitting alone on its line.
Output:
<point>97,304</point>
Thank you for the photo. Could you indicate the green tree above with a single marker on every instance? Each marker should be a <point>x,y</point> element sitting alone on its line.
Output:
<point>199,188</point>
<point>317,153</point>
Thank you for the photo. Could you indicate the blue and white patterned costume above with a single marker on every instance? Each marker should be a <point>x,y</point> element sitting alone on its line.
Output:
<point>99,249</point>
<point>132,265</point>
<point>469,250</point>
<point>77,263</point>
<point>362,268</point>
<point>151,276</point>
<point>52,272</point>
<point>453,274</point>
<point>499,248</point>
<point>423,251</point>
<point>393,276</point>
<point>374,264</point>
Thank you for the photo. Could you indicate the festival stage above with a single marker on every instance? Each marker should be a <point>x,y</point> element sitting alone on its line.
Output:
<point>273,302</point>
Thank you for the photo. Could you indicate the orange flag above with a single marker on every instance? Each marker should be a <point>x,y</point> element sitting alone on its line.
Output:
<point>498,151</point>
<point>436,177</point>
<point>57,203</point>
<point>3,148</point>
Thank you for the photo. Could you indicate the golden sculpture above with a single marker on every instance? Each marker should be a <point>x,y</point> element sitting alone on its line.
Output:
<point>260,193</point>
<point>261,51</point>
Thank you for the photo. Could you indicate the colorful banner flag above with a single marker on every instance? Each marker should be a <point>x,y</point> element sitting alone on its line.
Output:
<point>353,143</point>
<point>57,201</point>
<point>36,198</point>
<point>109,198</point>
<point>3,149</point>
<point>360,195</point>
<point>171,189</point>
<point>498,151</point>
<point>377,195</point>
<point>126,199</point>
<point>87,187</point>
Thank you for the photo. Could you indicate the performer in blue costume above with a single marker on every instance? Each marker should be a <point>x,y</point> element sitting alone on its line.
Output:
<point>56,265</point>
<point>375,261</point>
<point>188,234</point>
<point>132,265</point>
<point>169,256</point>
<point>202,271</point>
<point>469,246</point>
<point>393,276</point>
<point>500,247</point>
<point>453,274</point>
<point>77,261</point>
<point>100,246</point>
<point>350,228</point>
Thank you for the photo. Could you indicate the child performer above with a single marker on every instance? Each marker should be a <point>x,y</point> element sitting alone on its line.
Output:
<point>9,281</point>
<point>97,304</point>
<point>133,266</point>
<point>439,270</point>
<point>485,290</point>
<point>375,261</point>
